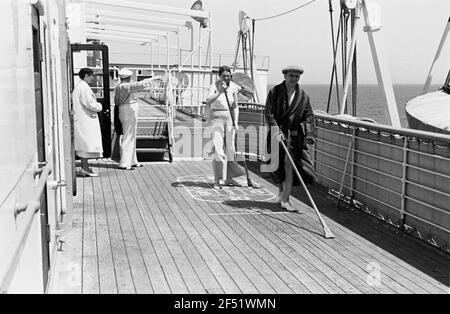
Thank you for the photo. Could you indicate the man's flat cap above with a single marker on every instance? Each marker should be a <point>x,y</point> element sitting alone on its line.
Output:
<point>292,68</point>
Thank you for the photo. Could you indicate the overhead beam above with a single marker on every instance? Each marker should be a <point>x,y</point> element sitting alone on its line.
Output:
<point>137,17</point>
<point>150,7</point>
<point>118,40</point>
<point>123,39</point>
<point>140,31</point>
<point>128,39</point>
<point>99,35</point>
<point>111,21</point>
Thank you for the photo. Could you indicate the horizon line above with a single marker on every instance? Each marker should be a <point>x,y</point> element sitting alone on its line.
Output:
<point>328,84</point>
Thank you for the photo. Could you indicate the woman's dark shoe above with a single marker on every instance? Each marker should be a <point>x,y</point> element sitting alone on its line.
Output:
<point>126,168</point>
<point>85,173</point>
<point>232,183</point>
<point>137,166</point>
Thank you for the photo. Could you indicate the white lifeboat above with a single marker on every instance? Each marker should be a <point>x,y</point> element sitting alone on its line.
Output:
<point>430,112</point>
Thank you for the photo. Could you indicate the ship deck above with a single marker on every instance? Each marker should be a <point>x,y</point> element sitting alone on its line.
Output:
<point>163,229</point>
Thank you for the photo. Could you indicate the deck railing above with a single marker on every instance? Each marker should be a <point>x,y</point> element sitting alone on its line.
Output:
<point>11,259</point>
<point>399,175</point>
<point>189,97</point>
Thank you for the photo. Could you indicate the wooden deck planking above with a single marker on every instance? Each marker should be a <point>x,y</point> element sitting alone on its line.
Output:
<point>68,274</point>
<point>390,264</point>
<point>247,268</point>
<point>179,255</point>
<point>313,248</point>
<point>141,232</point>
<point>409,255</point>
<point>106,273</point>
<point>153,265</point>
<point>404,265</point>
<point>125,209</point>
<point>400,279</point>
<point>122,271</point>
<point>395,280</point>
<point>230,284</point>
<point>198,254</point>
<point>402,244</point>
<point>314,264</point>
<point>205,254</point>
<point>355,251</point>
<point>90,252</point>
<point>188,245</point>
<point>192,214</point>
<point>229,239</point>
<point>343,259</point>
<point>316,247</point>
<point>210,247</point>
<point>147,110</point>
<point>290,272</point>
<point>310,276</point>
<point>398,268</point>
<point>174,278</point>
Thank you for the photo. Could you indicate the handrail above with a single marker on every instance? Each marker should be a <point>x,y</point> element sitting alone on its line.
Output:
<point>385,128</point>
<point>421,217</point>
<point>10,260</point>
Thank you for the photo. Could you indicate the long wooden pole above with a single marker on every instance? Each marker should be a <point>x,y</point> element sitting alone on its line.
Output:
<point>327,232</point>
<point>249,181</point>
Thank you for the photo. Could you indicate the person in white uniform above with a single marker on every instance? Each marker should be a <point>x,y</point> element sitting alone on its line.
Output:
<point>223,134</point>
<point>125,99</point>
<point>88,137</point>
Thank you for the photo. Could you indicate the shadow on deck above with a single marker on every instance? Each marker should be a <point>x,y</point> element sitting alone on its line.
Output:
<point>420,255</point>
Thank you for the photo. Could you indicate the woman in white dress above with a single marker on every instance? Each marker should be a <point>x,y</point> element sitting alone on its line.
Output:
<point>223,132</point>
<point>88,137</point>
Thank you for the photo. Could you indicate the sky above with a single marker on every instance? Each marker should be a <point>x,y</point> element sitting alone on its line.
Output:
<point>411,33</point>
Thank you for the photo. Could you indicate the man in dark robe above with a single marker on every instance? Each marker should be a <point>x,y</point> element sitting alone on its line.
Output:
<point>288,108</point>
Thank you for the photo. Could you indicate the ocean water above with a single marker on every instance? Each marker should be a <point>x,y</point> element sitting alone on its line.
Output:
<point>370,102</point>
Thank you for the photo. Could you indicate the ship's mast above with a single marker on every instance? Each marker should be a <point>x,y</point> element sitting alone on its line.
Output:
<point>443,43</point>
<point>370,11</point>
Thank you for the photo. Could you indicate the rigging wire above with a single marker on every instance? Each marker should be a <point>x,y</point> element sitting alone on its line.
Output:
<point>334,75</point>
<point>354,68</point>
<point>284,13</point>
<point>344,42</point>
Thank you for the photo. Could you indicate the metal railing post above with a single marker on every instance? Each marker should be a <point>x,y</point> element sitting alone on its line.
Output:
<point>404,169</point>
<point>315,147</point>
<point>344,172</point>
<point>352,173</point>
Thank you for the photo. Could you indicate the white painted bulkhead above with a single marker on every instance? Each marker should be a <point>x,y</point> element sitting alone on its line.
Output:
<point>18,144</point>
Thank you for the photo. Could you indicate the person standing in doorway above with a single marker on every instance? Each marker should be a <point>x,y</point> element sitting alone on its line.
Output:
<point>125,99</point>
<point>88,137</point>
